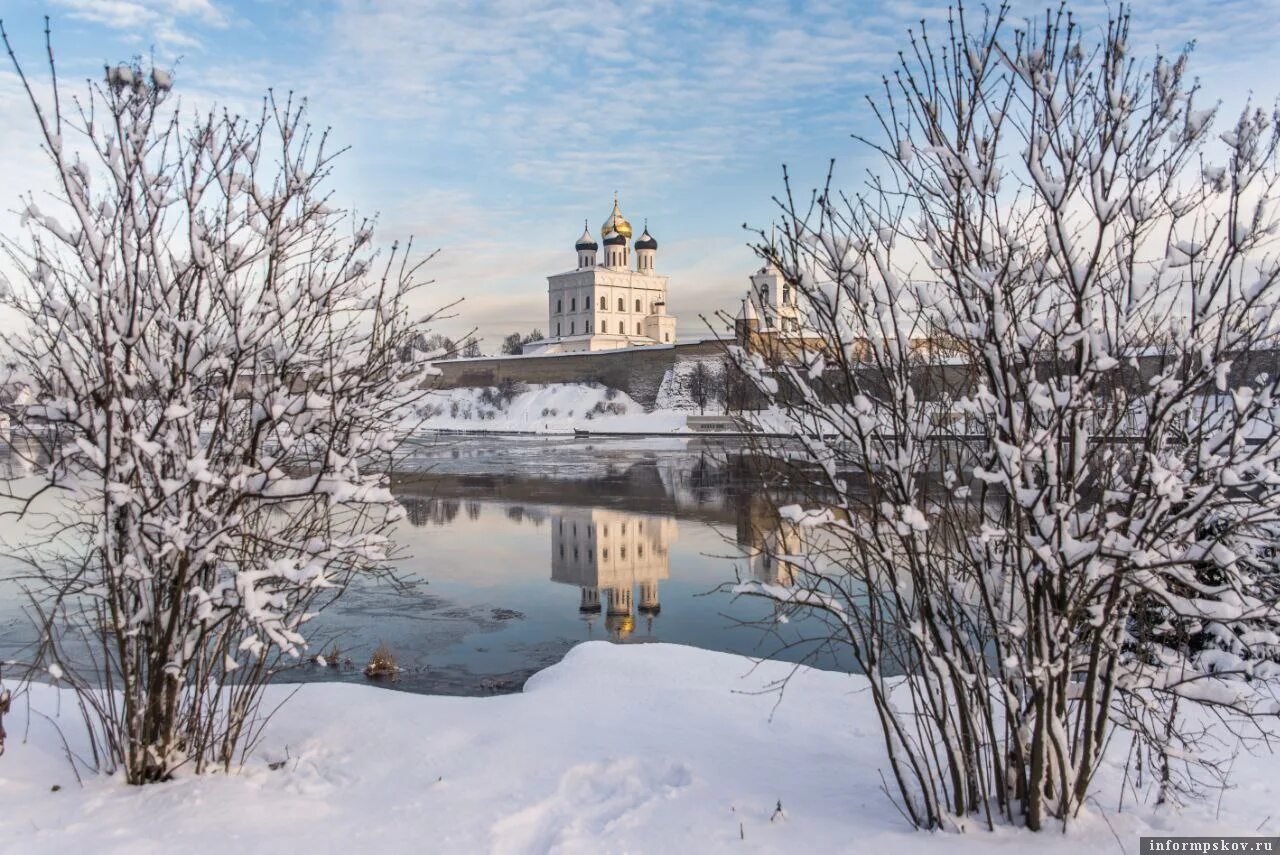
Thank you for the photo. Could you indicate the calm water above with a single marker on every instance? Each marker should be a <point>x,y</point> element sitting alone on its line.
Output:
<point>521,548</point>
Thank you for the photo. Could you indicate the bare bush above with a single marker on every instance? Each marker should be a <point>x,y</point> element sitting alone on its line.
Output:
<point>213,399</point>
<point>705,385</point>
<point>1039,447</point>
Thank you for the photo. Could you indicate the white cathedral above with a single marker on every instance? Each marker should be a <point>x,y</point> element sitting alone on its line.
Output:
<point>605,303</point>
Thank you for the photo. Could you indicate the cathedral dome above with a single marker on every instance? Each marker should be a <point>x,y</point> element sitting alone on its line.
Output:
<point>586,241</point>
<point>646,241</point>
<point>613,238</point>
<point>616,224</point>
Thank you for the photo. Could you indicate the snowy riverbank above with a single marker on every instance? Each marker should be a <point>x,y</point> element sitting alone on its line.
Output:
<point>563,408</point>
<point>637,748</point>
<point>557,408</point>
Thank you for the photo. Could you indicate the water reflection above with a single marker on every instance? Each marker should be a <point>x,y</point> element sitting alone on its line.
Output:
<point>518,568</point>
<point>770,547</point>
<point>617,559</point>
<point>18,456</point>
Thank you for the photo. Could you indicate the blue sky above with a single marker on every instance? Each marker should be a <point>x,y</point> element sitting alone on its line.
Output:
<point>491,129</point>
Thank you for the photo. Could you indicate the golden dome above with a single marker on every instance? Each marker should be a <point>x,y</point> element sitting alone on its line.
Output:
<point>616,222</point>
<point>620,625</point>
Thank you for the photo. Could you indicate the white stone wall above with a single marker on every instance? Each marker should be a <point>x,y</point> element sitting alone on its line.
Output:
<point>585,302</point>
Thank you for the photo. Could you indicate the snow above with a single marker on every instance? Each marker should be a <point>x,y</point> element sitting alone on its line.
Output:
<point>562,408</point>
<point>621,748</point>
<point>675,392</point>
<point>554,408</point>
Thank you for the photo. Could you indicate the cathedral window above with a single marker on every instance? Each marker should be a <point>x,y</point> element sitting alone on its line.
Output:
<point>637,305</point>
<point>764,293</point>
<point>637,329</point>
<point>573,304</point>
<point>786,294</point>
<point>586,327</point>
<point>559,303</point>
<point>604,326</point>
<point>602,304</point>
<point>619,304</point>
<point>557,330</point>
<point>666,337</point>
<point>571,326</point>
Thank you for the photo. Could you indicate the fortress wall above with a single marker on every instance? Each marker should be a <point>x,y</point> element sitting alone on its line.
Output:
<point>637,371</point>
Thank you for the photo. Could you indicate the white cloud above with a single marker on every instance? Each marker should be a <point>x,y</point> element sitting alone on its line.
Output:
<point>489,128</point>
<point>166,23</point>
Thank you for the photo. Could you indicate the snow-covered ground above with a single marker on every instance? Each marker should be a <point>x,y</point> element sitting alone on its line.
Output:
<point>556,408</point>
<point>637,748</point>
<point>560,408</point>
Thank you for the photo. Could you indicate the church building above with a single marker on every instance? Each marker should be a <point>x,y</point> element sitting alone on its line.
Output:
<point>608,301</point>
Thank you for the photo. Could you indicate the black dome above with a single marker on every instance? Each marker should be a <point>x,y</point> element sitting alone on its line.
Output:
<point>615,239</point>
<point>646,241</point>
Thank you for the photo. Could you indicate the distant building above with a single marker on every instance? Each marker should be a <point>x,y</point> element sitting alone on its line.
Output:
<point>773,318</point>
<point>605,303</point>
<point>776,303</point>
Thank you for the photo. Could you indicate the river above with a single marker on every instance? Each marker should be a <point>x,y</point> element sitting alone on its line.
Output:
<point>517,548</point>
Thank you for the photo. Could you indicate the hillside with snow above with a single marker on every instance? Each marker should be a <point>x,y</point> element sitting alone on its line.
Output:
<point>554,408</point>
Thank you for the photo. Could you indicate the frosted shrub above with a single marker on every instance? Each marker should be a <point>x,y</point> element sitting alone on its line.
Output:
<point>612,408</point>
<point>1040,445</point>
<point>211,351</point>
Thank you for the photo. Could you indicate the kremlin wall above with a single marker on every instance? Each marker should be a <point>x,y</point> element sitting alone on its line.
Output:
<point>637,371</point>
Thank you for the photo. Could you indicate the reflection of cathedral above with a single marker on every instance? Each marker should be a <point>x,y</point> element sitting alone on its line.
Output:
<point>616,558</point>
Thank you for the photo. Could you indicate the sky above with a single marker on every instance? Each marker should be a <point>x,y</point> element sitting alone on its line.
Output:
<point>491,129</point>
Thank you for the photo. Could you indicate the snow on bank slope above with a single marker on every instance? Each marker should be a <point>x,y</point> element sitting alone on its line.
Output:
<point>638,748</point>
<point>556,408</point>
